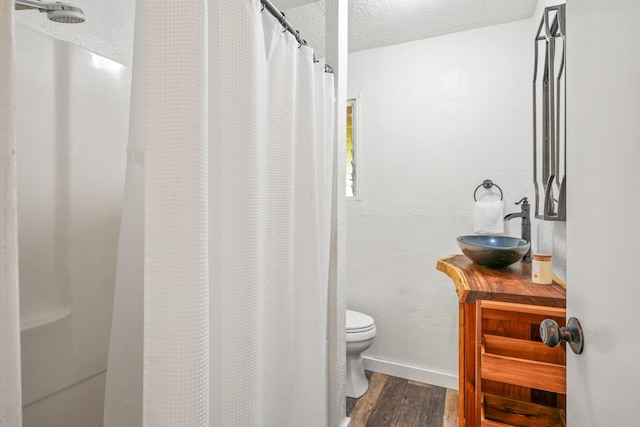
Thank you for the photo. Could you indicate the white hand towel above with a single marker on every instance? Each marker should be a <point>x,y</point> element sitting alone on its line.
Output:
<point>488,217</point>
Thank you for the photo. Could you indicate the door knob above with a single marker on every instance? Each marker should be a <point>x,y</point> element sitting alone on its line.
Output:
<point>551,334</point>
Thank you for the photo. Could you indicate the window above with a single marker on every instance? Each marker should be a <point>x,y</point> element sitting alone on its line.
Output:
<point>351,161</point>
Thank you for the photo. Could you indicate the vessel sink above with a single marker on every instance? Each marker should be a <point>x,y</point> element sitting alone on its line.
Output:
<point>493,251</point>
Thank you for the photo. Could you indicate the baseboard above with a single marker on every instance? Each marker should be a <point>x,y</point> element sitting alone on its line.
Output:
<point>414,373</point>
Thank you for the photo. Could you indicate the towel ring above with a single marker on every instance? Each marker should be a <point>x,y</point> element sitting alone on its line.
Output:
<point>487,183</point>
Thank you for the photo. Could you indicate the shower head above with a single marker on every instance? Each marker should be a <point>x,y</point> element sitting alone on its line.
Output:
<point>67,15</point>
<point>56,12</point>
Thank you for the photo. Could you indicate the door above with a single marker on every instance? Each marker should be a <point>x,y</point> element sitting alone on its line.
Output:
<point>603,196</point>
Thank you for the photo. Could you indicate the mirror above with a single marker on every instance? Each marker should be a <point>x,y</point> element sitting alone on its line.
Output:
<point>549,116</point>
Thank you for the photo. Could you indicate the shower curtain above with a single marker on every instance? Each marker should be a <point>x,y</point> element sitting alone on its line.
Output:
<point>10,388</point>
<point>220,307</point>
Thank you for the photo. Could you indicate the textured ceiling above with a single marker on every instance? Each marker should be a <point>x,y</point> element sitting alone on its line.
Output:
<point>108,29</point>
<point>377,23</point>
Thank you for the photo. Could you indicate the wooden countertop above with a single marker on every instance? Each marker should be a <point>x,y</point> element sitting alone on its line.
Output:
<point>509,284</point>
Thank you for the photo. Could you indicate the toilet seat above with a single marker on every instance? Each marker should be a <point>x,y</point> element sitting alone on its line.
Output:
<point>360,327</point>
<point>358,322</point>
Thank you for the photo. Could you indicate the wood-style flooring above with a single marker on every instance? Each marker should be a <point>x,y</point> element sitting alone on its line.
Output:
<point>396,402</point>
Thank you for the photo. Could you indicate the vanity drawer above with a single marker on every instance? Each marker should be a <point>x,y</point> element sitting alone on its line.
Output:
<point>519,380</point>
<point>503,412</point>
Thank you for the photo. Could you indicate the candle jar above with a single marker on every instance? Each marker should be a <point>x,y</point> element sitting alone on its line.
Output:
<point>541,269</point>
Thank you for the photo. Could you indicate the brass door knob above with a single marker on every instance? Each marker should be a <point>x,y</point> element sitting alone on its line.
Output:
<point>552,334</point>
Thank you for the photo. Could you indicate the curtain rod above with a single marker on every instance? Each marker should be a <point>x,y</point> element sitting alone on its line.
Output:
<point>283,21</point>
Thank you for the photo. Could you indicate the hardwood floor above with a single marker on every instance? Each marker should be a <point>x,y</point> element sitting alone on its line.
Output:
<point>396,402</point>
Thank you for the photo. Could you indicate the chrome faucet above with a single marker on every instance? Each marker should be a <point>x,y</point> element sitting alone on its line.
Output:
<point>525,224</point>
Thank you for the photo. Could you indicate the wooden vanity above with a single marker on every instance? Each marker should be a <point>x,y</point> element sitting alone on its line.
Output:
<point>507,376</point>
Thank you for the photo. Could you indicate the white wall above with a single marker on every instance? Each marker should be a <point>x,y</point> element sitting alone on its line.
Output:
<point>337,54</point>
<point>71,130</point>
<point>436,118</point>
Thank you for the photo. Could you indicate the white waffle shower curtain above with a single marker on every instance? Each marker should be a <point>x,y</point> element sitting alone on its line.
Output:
<point>237,126</point>
<point>10,389</point>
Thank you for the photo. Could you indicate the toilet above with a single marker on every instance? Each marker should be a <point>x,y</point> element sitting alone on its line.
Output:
<point>361,331</point>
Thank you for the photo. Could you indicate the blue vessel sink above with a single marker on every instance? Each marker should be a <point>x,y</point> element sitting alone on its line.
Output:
<point>493,251</point>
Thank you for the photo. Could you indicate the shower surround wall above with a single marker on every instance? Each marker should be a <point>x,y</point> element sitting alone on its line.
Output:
<point>436,117</point>
<point>71,129</point>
